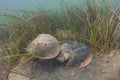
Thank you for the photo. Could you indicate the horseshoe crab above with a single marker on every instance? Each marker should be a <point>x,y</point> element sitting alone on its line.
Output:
<point>44,46</point>
<point>73,54</point>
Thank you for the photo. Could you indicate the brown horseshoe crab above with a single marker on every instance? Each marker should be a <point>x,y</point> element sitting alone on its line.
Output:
<point>44,46</point>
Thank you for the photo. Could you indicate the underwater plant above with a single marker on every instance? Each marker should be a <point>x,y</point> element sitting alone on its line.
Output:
<point>95,23</point>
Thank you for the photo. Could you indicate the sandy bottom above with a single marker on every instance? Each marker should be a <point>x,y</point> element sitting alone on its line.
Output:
<point>106,68</point>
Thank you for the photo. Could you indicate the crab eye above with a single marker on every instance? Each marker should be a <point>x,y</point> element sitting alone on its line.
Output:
<point>45,44</point>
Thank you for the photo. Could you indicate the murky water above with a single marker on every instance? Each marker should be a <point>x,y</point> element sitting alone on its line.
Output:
<point>47,4</point>
<point>31,5</point>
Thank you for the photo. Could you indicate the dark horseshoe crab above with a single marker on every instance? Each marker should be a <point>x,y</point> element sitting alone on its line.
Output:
<point>73,54</point>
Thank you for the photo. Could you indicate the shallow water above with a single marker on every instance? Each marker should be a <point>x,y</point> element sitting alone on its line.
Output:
<point>46,4</point>
<point>31,5</point>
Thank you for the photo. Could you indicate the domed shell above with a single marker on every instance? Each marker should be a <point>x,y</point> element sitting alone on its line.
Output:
<point>44,46</point>
<point>76,54</point>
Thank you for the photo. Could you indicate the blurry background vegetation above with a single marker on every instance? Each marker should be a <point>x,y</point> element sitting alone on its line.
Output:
<point>96,24</point>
